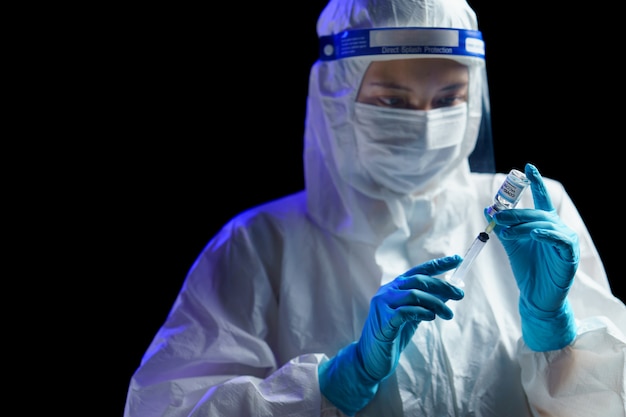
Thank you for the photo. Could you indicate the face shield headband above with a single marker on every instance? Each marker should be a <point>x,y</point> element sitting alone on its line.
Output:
<point>397,42</point>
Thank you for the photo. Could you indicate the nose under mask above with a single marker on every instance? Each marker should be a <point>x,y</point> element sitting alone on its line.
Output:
<point>402,149</point>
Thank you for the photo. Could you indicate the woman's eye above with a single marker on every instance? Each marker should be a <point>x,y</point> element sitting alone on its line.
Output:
<point>396,102</point>
<point>450,101</point>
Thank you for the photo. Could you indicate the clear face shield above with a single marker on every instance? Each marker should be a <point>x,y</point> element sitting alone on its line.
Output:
<point>357,48</point>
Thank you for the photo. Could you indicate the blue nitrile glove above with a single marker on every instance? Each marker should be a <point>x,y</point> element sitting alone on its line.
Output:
<point>350,379</point>
<point>544,254</point>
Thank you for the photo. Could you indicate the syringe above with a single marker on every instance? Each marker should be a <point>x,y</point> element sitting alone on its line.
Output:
<point>507,197</point>
<point>459,273</point>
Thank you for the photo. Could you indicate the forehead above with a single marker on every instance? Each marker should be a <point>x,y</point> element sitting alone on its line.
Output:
<point>416,68</point>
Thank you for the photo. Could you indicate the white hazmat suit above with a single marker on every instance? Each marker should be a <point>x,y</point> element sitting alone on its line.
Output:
<point>285,285</point>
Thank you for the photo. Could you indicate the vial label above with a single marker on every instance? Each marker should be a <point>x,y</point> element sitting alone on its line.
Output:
<point>511,189</point>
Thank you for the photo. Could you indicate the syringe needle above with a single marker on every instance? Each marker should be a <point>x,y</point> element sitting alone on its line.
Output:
<point>490,227</point>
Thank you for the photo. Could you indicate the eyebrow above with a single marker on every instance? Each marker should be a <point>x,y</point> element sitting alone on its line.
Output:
<point>454,86</point>
<point>395,86</point>
<point>389,85</point>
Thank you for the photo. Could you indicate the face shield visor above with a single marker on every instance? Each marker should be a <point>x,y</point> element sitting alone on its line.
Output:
<point>345,56</point>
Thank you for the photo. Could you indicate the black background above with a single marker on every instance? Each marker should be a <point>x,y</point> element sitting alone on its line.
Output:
<point>212,116</point>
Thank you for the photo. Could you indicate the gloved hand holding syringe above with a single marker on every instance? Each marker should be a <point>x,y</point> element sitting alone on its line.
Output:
<point>507,197</point>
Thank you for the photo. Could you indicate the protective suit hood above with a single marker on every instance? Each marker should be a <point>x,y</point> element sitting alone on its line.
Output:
<point>342,202</point>
<point>366,14</point>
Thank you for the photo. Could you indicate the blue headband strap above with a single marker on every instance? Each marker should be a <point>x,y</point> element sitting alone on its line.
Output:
<point>402,41</point>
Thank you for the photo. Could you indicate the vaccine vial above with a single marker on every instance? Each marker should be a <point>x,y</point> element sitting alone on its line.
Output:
<point>508,194</point>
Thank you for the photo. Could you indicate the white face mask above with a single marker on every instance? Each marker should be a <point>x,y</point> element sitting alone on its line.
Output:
<point>402,149</point>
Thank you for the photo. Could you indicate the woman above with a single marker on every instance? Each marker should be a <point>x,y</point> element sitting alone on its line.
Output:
<point>333,300</point>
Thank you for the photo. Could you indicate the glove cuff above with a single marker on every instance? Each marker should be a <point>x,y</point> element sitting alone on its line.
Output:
<point>344,381</point>
<point>543,331</point>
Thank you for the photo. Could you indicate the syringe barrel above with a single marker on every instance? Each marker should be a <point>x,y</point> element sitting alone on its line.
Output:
<point>458,276</point>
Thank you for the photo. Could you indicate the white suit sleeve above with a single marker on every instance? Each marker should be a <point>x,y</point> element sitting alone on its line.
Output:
<point>217,353</point>
<point>586,378</point>
<point>583,379</point>
<point>291,390</point>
